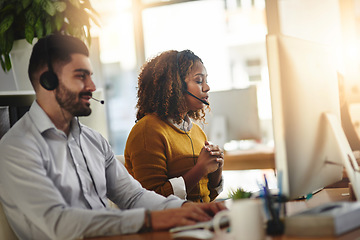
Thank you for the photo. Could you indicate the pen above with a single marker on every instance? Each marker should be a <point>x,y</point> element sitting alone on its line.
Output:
<point>269,200</point>
<point>279,193</point>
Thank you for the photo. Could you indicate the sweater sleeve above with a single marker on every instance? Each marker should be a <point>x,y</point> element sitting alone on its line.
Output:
<point>214,192</point>
<point>146,160</point>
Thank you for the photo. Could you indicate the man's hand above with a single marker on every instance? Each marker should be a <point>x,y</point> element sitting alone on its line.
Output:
<point>210,208</point>
<point>190,213</point>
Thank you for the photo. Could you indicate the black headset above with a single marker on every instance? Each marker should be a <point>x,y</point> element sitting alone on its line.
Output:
<point>49,79</point>
<point>184,86</point>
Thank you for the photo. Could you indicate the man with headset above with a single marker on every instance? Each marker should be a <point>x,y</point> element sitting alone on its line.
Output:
<point>56,174</point>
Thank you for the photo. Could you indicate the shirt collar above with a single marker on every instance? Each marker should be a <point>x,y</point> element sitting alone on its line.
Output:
<point>185,124</point>
<point>42,121</point>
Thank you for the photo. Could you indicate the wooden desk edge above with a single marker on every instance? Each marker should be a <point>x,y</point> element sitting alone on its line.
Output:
<point>245,160</point>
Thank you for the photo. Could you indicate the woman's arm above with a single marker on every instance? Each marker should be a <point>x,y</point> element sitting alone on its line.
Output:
<point>210,161</point>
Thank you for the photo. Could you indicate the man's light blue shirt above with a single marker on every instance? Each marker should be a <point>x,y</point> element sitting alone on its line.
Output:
<point>46,185</point>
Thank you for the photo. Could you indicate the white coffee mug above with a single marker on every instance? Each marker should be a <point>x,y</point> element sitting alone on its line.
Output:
<point>246,220</point>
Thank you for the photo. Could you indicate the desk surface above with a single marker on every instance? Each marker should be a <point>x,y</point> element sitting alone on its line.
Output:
<point>324,196</point>
<point>262,157</point>
<point>167,236</point>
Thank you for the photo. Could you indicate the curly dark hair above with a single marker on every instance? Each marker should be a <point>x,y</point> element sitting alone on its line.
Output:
<point>161,86</point>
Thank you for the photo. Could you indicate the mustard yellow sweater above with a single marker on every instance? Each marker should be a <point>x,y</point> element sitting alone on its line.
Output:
<point>157,151</point>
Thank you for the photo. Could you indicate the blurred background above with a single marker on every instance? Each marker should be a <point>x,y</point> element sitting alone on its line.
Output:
<point>230,37</point>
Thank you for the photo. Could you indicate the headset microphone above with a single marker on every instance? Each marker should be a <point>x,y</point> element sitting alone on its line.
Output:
<point>201,100</point>
<point>100,101</point>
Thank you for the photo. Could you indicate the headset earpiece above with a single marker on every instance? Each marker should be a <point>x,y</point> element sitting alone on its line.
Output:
<point>183,83</point>
<point>49,80</point>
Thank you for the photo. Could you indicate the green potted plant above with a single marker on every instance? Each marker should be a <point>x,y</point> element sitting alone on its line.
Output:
<point>239,194</point>
<point>29,19</point>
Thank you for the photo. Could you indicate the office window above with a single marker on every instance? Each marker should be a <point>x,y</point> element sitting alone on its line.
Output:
<point>119,67</point>
<point>188,26</point>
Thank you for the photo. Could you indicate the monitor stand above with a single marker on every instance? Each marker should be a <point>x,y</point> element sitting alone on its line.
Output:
<point>333,218</point>
<point>348,158</point>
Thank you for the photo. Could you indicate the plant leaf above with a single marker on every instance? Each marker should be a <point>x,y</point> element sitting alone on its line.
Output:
<point>39,29</point>
<point>37,9</point>
<point>48,27</point>
<point>25,3</point>
<point>7,62</point>
<point>88,38</point>
<point>48,6</point>
<point>59,6</point>
<point>239,194</point>
<point>94,18</point>
<point>29,33</point>
<point>30,17</point>
<point>10,36</point>
<point>8,8</point>
<point>77,18</point>
<point>87,5</point>
<point>6,23</point>
<point>18,8</point>
<point>2,43</point>
<point>59,21</point>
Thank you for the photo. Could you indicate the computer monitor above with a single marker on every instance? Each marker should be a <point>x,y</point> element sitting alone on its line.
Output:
<point>13,105</point>
<point>310,145</point>
<point>233,116</point>
<point>16,103</point>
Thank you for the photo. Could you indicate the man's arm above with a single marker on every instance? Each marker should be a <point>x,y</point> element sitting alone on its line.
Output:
<point>36,208</point>
<point>127,193</point>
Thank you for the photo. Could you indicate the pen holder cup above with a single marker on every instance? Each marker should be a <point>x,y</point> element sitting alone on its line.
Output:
<point>246,221</point>
<point>275,208</point>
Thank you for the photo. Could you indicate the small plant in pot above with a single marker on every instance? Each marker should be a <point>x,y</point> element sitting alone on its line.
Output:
<point>239,194</point>
<point>29,19</point>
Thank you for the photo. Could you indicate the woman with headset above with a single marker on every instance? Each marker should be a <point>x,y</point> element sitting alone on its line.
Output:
<point>166,151</point>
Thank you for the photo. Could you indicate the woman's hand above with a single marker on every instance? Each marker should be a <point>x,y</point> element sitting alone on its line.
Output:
<point>211,158</point>
<point>215,150</point>
<point>210,162</point>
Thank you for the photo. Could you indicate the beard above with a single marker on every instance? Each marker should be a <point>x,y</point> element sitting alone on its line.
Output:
<point>71,101</point>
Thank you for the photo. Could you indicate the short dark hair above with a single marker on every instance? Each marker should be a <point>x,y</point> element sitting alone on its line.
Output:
<point>55,48</point>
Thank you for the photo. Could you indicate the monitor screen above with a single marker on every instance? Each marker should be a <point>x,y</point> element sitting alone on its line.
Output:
<point>16,103</point>
<point>13,105</point>
<point>310,145</point>
<point>233,116</point>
